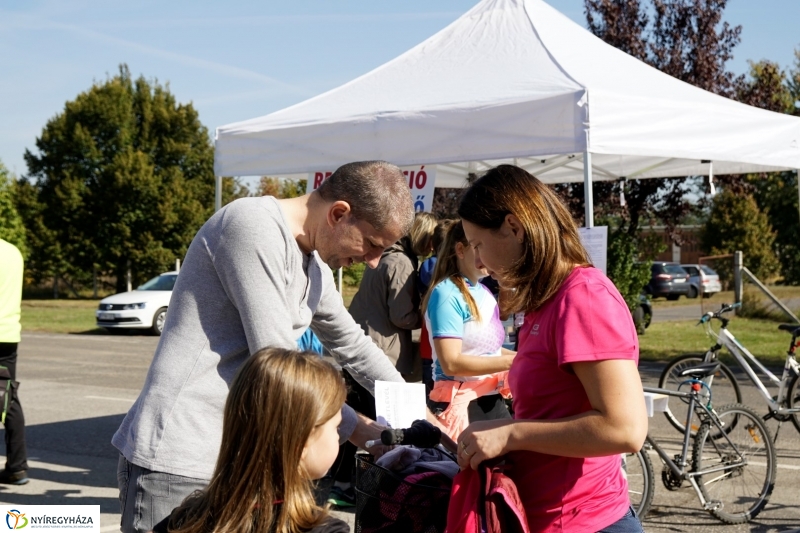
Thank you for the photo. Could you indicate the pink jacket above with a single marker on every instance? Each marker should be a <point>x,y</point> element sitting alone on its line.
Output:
<point>458,394</point>
<point>487,493</point>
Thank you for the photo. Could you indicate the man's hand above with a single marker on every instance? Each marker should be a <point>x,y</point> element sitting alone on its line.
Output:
<point>367,430</point>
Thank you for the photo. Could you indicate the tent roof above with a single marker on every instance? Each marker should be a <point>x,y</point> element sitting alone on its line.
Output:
<point>515,79</point>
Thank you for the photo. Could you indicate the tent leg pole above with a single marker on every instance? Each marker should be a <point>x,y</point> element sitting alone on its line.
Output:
<point>587,189</point>
<point>217,193</point>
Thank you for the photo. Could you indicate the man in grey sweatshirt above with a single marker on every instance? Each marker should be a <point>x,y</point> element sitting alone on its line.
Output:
<point>257,274</point>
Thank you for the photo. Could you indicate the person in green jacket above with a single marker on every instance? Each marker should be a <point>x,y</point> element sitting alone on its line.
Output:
<point>15,472</point>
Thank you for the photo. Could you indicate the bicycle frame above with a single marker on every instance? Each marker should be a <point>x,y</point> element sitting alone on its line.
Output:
<point>705,414</point>
<point>741,354</point>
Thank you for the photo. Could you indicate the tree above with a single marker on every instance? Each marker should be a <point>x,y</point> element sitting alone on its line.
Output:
<point>776,195</point>
<point>685,39</point>
<point>628,275</point>
<point>793,81</point>
<point>767,87</point>
<point>736,223</point>
<point>124,179</point>
<point>280,188</point>
<point>233,189</point>
<point>11,226</point>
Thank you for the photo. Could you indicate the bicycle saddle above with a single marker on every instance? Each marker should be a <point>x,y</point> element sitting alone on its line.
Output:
<point>794,329</point>
<point>700,371</point>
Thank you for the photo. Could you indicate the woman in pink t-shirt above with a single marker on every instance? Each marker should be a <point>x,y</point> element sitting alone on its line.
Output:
<point>578,401</point>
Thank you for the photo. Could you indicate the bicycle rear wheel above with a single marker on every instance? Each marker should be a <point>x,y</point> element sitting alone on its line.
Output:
<point>746,461</point>
<point>794,400</point>
<point>723,385</point>
<point>638,470</point>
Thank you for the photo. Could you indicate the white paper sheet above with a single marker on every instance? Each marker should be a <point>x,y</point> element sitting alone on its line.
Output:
<point>400,403</point>
<point>595,240</point>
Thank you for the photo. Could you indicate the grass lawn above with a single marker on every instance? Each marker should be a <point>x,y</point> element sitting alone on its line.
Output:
<point>668,339</point>
<point>59,316</point>
<point>662,340</point>
<point>77,316</point>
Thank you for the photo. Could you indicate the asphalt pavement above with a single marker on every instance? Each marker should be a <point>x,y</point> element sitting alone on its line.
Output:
<point>75,390</point>
<point>694,309</point>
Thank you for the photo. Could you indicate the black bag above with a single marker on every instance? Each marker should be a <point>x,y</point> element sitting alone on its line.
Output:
<point>7,388</point>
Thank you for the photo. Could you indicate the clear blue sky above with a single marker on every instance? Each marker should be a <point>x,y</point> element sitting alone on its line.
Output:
<point>242,59</point>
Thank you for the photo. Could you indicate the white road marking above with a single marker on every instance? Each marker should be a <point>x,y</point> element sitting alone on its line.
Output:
<point>109,398</point>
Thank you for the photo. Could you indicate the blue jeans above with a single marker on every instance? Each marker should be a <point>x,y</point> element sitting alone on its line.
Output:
<point>627,524</point>
<point>147,497</point>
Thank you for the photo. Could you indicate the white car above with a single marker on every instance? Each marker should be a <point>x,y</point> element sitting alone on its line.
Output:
<point>143,308</point>
<point>703,281</point>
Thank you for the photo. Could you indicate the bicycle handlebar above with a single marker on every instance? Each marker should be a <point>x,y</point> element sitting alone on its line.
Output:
<point>725,308</point>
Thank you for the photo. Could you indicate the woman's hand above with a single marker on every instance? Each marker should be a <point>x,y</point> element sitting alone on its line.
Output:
<point>482,441</point>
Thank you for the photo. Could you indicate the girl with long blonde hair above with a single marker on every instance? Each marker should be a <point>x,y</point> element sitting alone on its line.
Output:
<point>279,434</point>
<point>466,334</point>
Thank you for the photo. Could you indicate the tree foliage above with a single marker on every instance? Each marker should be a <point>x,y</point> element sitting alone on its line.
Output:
<point>280,188</point>
<point>11,227</point>
<point>628,274</point>
<point>736,223</point>
<point>776,195</point>
<point>771,88</point>
<point>124,177</point>
<point>686,39</point>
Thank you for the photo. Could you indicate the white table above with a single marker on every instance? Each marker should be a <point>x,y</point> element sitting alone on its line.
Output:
<point>655,402</point>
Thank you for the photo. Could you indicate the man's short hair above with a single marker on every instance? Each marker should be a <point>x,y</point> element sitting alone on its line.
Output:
<point>377,192</point>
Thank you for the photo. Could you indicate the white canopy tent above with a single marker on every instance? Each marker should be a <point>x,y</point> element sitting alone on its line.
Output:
<point>515,80</point>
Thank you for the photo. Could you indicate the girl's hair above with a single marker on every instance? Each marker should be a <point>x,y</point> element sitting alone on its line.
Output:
<point>447,267</point>
<point>275,402</point>
<point>422,232</point>
<point>551,247</point>
<point>439,233</point>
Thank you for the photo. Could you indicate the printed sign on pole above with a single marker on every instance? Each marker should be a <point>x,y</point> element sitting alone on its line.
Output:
<point>421,182</point>
<point>595,240</point>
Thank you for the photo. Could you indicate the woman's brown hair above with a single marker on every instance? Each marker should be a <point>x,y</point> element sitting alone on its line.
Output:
<point>551,247</point>
<point>275,402</point>
<point>447,267</point>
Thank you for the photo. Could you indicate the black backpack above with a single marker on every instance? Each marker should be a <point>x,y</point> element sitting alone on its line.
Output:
<point>7,388</point>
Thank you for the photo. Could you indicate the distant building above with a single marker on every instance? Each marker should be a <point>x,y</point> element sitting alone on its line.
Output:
<point>689,251</point>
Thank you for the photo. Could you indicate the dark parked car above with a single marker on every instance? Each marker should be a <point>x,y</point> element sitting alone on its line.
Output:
<point>668,280</point>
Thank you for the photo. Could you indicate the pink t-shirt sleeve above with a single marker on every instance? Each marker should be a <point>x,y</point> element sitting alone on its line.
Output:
<point>594,324</point>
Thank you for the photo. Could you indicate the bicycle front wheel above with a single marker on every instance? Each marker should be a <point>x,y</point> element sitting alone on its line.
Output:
<point>723,385</point>
<point>740,462</point>
<point>638,470</point>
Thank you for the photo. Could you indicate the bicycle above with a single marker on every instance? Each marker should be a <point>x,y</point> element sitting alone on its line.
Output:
<point>733,462</point>
<point>783,406</point>
<point>638,471</point>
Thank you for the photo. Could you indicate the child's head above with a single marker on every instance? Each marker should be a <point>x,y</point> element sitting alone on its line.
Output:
<point>421,233</point>
<point>279,433</point>
<point>455,259</point>
<point>280,402</point>
<point>442,226</point>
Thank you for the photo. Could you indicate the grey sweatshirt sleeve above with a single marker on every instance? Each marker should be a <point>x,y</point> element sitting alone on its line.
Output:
<point>250,259</point>
<point>347,342</point>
